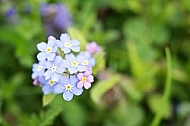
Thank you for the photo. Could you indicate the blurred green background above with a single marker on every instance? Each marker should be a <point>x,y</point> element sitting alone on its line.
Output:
<point>130,81</point>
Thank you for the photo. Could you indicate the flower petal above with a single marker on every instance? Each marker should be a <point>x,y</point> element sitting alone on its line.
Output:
<point>77,91</point>
<point>72,70</point>
<point>70,57</point>
<point>47,74</point>
<point>80,84</point>
<point>90,78</point>
<point>60,69</point>
<point>59,88</point>
<point>46,89</point>
<point>87,85</point>
<point>75,42</point>
<point>65,37</point>
<point>80,58</point>
<point>80,75</point>
<point>41,46</point>
<point>65,50</point>
<point>41,56</point>
<point>75,48</point>
<point>73,80</point>
<point>65,63</point>
<point>63,80</point>
<point>67,95</point>
<point>51,56</point>
<point>81,68</point>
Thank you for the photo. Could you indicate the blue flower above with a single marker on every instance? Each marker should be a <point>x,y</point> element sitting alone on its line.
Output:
<point>56,18</point>
<point>88,61</point>
<point>66,44</point>
<point>74,64</point>
<point>48,50</point>
<point>38,69</point>
<point>55,69</point>
<point>68,86</point>
<point>48,86</point>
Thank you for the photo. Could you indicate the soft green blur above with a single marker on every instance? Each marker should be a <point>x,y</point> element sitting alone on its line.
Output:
<point>136,84</point>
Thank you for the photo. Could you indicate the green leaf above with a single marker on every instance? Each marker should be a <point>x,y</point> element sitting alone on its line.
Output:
<point>48,99</point>
<point>77,34</point>
<point>102,86</point>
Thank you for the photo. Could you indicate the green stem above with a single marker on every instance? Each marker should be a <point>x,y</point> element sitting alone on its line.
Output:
<point>158,117</point>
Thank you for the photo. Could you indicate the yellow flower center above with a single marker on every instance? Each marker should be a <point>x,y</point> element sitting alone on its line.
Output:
<point>39,68</point>
<point>51,82</point>
<point>85,62</point>
<point>68,87</point>
<point>67,44</point>
<point>83,79</point>
<point>74,63</point>
<point>48,49</point>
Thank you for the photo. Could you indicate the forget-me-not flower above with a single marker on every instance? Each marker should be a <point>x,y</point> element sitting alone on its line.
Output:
<point>68,86</point>
<point>66,44</point>
<point>88,60</point>
<point>55,69</point>
<point>38,69</point>
<point>48,86</point>
<point>74,64</point>
<point>48,50</point>
<point>85,79</point>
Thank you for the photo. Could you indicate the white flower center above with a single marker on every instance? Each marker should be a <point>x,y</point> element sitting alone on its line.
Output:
<point>40,67</point>
<point>53,68</point>
<point>68,87</point>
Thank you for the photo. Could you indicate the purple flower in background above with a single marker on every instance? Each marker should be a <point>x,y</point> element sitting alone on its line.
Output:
<point>11,12</point>
<point>88,60</point>
<point>48,50</point>
<point>56,18</point>
<point>85,79</point>
<point>67,86</point>
<point>93,47</point>
<point>66,44</point>
<point>38,69</point>
<point>74,64</point>
<point>55,69</point>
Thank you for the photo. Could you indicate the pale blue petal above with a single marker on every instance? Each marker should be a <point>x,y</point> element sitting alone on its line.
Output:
<point>51,42</point>
<point>59,88</point>
<point>65,37</point>
<point>65,63</point>
<point>92,62</point>
<point>67,95</point>
<point>34,75</point>
<point>65,50</point>
<point>41,56</point>
<point>77,91</point>
<point>80,58</point>
<point>70,57</point>
<point>59,43</point>
<point>41,46</point>
<point>75,42</point>
<point>51,56</point>
<point>75,48</point>
<point>54,49</point>
<point>47,89</point>
<point>74,80</point>
<point>81,68</point>
<point>60,69</point>
<point>55,76</point>
<point>48,65</point>
<point>57,60</point>
<point>72,70</point>
<point>47,74</point>
<point>63,80</point>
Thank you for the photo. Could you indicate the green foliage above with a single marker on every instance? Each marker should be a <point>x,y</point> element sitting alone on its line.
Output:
<point>130,71</point>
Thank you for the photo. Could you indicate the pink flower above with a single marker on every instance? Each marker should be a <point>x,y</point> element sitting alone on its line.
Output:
<point>93,47</point>
<point>85,79</point>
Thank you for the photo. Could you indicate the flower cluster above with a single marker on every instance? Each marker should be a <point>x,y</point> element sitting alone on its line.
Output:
<point>62,67</point>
